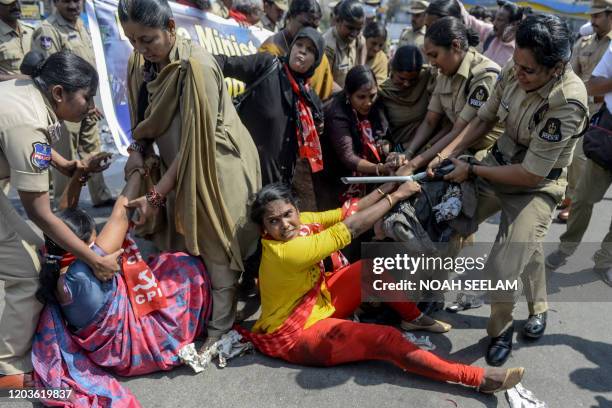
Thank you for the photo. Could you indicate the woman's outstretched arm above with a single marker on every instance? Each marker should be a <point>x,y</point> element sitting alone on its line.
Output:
<point>113,233</point>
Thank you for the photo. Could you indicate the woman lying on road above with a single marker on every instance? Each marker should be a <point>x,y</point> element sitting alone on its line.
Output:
<point>88,325</point>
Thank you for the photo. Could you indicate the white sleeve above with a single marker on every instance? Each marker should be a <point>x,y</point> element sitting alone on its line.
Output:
<point>604,67</point>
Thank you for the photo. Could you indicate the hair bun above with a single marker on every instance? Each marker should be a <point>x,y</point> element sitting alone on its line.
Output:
<point>32,64</point>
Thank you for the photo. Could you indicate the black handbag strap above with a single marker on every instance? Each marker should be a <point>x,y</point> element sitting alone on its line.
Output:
<point>240,98</point>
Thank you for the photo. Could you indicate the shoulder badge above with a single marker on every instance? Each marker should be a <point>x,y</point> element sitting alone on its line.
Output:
<point>45,42</point>
<point>41,155</point>
<point>551,132</point>
<point>478,97</point>
<point>539,115</point>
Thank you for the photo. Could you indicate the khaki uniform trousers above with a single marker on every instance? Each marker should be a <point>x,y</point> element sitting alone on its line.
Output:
<point>84,140</point>
<point>575,171</point>
<point>19,268</point>
<point>517,251</point>
<point>591,189</point>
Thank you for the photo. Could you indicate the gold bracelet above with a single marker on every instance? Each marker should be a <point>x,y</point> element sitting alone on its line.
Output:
<point>440,156</point>
<point>388,197</point>
<point>382,193</point>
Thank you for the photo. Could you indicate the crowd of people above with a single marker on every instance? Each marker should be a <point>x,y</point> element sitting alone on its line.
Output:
<point>248,193</point>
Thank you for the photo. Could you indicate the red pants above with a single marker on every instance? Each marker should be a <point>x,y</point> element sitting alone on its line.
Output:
<point>345,289</point>
<point>333,341</point>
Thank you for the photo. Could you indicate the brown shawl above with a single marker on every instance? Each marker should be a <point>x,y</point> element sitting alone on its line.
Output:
<point>200,211</point>
<point>405,108</point>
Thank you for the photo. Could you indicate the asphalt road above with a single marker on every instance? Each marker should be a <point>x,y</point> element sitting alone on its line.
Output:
<point>570,367</point>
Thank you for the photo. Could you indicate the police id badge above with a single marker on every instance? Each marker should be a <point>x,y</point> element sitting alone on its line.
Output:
<point>478,97</point>
<point>551,132</point>
<point>41,155</point>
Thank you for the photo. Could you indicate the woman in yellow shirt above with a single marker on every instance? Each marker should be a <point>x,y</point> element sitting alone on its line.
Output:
<point>303,307</point>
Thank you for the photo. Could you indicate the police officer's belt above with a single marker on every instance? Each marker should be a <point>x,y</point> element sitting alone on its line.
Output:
<point>553,175</point>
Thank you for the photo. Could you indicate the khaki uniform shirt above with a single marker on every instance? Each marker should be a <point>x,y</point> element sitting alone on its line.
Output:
<point>14,45</point>
<point>268,24</point>
<point>343,56</point>
<point>585,56</point>
<point>27,124</point>
<point>461,95</point>
<point>56,34</point>
<point>540,126</point>
<point>413,37</point>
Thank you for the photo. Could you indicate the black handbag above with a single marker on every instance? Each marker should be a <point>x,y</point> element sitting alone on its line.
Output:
<point>597,142</point>
<point>238,100</point>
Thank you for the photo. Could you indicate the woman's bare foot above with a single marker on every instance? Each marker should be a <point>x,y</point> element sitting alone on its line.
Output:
<point>500,379</point>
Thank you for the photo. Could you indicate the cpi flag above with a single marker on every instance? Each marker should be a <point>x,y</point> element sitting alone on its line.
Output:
<point>112,49</point>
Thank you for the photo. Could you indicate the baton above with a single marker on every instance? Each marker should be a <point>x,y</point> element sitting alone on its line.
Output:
<point>439,172</point>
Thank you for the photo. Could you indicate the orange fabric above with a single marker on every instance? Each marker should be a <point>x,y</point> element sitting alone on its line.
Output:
<point>345,288</point>
<point>332,342</point>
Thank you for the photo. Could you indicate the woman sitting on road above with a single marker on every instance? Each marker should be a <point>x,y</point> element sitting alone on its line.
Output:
<point>303,307</point>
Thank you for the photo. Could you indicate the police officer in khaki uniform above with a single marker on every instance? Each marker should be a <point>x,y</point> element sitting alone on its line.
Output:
<point>587,53</point>
<point>543,105</point>
<point>64,30</point>
<point>28,124</point>
<point>345,46</point>
<point>458,93</point>
<point>15,39</point>
<point>274,10</point>
<point>415,34</point>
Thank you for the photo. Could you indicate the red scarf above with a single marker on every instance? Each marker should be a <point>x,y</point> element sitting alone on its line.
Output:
<point>279,342</point>
<point>143,288</point>
<point>306,131</point>
<point>238,16</point>
<point>368,152</point>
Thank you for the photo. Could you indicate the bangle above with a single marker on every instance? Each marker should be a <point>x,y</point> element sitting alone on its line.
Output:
<point>155,199</point>
<point>440,156</point>
<point>471,173</point>
<point>84,178</point>
<point>388,197</point>
<point>135,147</point>
<point>382,193</point>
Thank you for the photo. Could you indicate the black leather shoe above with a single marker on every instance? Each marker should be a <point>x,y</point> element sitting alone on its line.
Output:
<point>535,326</point>
<point>606,274</point>
<point>500,348</point>
<point>430,308</point>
